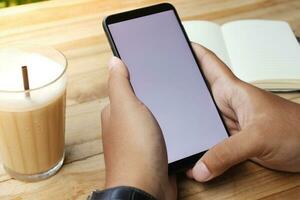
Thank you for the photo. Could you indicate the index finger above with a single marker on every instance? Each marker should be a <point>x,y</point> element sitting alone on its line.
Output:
<point>214,69</point>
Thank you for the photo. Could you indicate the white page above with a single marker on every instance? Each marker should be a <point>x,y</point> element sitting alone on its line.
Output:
<point>262,50</point>
<point>209,35</point>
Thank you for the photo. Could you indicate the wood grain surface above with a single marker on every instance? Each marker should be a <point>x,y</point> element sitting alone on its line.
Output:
<point>74,27</point>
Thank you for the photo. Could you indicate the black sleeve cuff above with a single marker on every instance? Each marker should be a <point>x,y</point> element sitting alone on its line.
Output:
<point>121,193</point>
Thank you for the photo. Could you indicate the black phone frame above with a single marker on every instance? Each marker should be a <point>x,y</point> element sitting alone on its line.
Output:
<point>185,163</point>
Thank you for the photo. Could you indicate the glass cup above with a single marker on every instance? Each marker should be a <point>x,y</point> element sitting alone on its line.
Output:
<point>32,117</point>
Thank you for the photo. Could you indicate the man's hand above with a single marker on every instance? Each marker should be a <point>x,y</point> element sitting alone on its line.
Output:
<point>134,149</point>
<point>264,128</point>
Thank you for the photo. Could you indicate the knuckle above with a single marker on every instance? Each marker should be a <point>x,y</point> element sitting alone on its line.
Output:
<point>220,158</point>
<point>211,54</point>
<point>221,155</point>
<point>208,57</point>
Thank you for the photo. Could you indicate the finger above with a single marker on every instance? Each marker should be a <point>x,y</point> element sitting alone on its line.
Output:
<point>189,173</point>
<point>212,66</point>
<point>171,192</point>
<point>173,181</point>
<point>119,87</point>
<point>224,155</point>
<point>105,119</point>
<point>232,125</point>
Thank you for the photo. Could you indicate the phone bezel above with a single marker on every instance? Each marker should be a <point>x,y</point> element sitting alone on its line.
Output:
<point>184,163</point>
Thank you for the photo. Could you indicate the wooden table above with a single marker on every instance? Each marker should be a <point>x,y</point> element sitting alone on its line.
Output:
<point>74,27</point>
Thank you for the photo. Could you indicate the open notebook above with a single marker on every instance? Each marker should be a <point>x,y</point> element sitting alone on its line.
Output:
<point>262,52</point>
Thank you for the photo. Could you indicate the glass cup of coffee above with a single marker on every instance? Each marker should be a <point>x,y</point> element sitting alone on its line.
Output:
<point>32,111</point>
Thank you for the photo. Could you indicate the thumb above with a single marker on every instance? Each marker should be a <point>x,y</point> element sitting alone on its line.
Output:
<point>119,88</point>
<point>224,155</point>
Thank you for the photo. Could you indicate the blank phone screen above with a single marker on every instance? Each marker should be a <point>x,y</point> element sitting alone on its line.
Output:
<point>166,78</point>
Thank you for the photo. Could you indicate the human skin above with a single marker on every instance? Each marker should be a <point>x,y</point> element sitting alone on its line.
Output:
<point>134,148</point>
<point>263,127</point>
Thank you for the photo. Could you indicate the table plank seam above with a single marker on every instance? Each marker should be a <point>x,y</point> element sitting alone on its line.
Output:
<point>82,159</point>
<point>4,180</point>
<point>270,195</point>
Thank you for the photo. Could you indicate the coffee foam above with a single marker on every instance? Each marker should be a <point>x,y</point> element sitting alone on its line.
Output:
<point>41,71</point>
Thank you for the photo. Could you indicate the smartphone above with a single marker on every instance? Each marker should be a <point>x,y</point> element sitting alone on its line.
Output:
<point>166,77</point>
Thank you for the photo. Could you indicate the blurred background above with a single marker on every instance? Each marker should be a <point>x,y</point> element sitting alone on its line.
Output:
<point>7,3</point>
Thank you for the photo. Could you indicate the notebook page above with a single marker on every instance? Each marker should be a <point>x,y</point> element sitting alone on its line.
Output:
<point>262,50</point>
<point>209,35</point>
